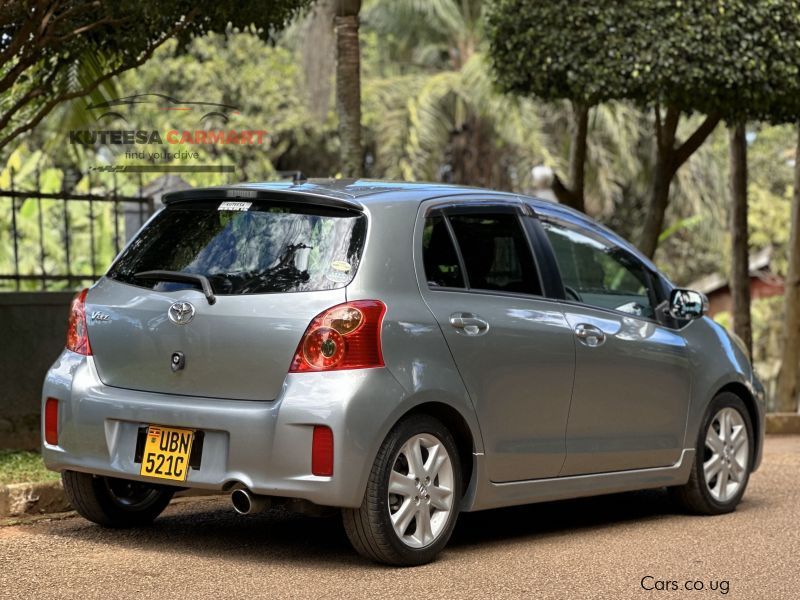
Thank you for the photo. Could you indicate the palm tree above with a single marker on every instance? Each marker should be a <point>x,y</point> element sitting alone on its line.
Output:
<point>454,127</point>
<point>348,85</point>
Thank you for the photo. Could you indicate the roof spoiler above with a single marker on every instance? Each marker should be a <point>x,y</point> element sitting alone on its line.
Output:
<point>244,194</point>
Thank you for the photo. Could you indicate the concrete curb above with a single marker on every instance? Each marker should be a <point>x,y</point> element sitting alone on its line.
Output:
<point>29,499</point>
<point>783,423</point>
<point>32,499</point>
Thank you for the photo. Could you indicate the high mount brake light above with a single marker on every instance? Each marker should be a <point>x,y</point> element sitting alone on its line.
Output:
<point>77,333</point>
<point>346,336</point>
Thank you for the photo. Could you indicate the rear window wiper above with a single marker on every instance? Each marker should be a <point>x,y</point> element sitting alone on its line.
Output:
<point>179,277</point>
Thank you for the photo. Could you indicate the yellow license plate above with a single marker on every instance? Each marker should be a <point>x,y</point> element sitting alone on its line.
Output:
<point>166,453</point>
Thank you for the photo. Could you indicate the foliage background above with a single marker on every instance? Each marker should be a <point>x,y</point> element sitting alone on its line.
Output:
<point>430,112</point>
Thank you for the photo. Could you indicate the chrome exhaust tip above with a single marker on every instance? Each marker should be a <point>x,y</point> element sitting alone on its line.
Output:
<point>245,502</point>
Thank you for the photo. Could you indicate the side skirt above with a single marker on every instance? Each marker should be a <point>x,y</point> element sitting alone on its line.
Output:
<point>483,494</point>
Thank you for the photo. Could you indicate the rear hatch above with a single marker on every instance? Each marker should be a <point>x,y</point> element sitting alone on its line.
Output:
<point>272,266</point>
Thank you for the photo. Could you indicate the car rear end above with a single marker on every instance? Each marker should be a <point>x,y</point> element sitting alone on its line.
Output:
<point>221,351</point>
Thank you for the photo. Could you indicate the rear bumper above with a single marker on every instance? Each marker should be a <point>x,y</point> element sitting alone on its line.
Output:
<point>265,446</point>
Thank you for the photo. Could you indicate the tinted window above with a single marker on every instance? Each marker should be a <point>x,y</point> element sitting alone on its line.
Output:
<point>599,274</point>
<point>268,248</point>
<point>496,253</point>
<point>439,255</point>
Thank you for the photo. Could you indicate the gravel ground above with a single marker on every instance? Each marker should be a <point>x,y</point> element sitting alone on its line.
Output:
<point>591,548</point>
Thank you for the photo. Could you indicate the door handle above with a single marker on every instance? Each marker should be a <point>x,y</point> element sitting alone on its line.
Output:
<point>589,335</point>
<point>468,323</point>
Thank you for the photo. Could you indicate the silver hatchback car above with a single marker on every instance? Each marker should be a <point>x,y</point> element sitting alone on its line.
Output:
<point>402,352</point>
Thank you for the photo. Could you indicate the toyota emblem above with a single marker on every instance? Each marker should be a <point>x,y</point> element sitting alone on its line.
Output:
<point>181,312</point>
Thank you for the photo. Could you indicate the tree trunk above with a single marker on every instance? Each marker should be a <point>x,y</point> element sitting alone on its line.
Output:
<point>572,193</point>
<point>577,155</point>
<point>790,353</point>
<point>348,86</point>
<point>319,59</point>
<point>740,253</point>
<point>659,199</point>
<point>668,159</point>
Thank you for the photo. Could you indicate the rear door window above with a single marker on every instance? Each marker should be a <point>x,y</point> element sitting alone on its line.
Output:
<point>271,247</point>
<point>439,256</point>
<point>496,253</point>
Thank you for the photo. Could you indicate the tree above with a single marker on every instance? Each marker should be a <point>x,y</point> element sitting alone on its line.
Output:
<point>46,45</point>
<point>751,63</point>
<point>587,53</point>
<point>267,91</point>
<point>750,56</point>
<point>431,111</point>
<point>553,50</point>
<point>788,378</point>
<point>441,118</point>
<point>348,85</point>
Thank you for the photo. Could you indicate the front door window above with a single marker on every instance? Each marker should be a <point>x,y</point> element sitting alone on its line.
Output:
<point>599,274</point>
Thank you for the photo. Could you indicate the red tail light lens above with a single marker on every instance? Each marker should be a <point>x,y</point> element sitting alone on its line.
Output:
<point>77,334</point>
<point>322,451</point>
<point>51,421</point>
<point>347,336</point>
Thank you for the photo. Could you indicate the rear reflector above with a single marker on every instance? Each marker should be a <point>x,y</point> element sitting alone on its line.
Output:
<point>322,451</point>
<point>51,421</point>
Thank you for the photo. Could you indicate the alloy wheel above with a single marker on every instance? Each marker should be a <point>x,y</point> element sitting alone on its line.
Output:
<point>727,454</point>
<point>420,497</point>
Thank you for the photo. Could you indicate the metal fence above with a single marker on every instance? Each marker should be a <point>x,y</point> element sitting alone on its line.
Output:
<point>39,249</point>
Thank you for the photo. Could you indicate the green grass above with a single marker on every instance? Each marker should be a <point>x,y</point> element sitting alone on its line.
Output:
<point>21,466</point>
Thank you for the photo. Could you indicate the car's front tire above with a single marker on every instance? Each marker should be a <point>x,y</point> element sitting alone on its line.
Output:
<point>112,502</point>
<point>413,494</point>
<point>723,459</point>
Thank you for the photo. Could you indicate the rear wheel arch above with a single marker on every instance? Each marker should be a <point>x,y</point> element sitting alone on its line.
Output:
<point>459,429</point>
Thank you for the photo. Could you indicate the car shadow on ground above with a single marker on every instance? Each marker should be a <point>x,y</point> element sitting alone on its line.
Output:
<point>211,528</point>
<point>561,518</point>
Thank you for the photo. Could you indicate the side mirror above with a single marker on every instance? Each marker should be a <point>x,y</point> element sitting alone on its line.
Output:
<point>687,304</point>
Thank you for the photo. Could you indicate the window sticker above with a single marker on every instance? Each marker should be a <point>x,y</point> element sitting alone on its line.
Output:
<point>337,276</point>
<point>341,266</point>
<point>235,206</point>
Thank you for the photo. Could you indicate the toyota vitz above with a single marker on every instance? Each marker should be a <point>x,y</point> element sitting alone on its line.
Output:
<point>403,352</point>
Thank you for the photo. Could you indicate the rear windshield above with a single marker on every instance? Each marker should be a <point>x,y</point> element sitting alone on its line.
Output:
<point>268,247</point>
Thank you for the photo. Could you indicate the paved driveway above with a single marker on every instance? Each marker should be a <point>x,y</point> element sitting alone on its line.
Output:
<point>591,548</point>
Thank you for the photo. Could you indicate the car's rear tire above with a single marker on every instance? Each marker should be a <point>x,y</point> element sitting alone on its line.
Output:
<point>409,523</point>
<point>112,502</point>
<point>723,459</point>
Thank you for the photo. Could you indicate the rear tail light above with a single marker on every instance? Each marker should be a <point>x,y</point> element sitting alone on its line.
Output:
<point>51,421</point>
<point>77,334</point>
<point>347,336</point>
<point>322,451</point>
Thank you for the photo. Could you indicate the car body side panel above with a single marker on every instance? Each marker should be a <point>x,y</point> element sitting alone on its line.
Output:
<point>631,395</point>
<point>519,376</point>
